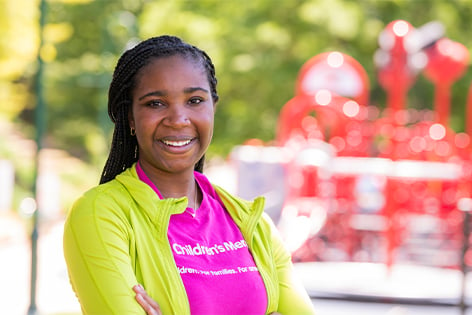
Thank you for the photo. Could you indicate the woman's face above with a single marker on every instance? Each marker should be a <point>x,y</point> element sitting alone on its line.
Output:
<point>173,114</point>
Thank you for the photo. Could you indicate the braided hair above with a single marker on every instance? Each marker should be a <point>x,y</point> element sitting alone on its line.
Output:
<point>124,146</point>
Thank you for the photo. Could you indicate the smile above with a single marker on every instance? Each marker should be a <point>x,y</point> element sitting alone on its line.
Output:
<point>176,143</point>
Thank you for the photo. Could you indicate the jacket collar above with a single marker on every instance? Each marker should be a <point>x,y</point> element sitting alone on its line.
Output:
<point>158,210</point>
<point>244,213</point>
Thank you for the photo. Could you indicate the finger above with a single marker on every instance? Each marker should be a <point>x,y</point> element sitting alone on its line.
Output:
<point>150,310</point>
<point>151,302</point>
<point>147,303</point>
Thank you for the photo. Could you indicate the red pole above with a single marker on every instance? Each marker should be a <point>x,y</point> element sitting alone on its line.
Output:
<point>442,102</point>
<point>447,62</point>
<point>468,122</point>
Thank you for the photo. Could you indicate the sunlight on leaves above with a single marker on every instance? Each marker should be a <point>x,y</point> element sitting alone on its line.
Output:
<point>273,34</point>
<point>341,17</point>
<point>71,1</point>
<point>48,52</point>
<point>58,32</point>
<point>243,63</point>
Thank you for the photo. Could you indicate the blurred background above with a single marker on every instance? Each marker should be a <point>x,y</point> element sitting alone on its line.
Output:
<point>351,117</point>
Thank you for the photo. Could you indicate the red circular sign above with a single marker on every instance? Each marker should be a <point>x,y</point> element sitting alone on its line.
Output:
<point>336,72</point>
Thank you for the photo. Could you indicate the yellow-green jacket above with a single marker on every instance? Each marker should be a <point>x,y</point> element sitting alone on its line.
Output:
<point>115,237</point>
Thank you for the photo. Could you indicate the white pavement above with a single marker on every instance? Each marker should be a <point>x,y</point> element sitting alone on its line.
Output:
<point>54,293</point>
<point>336,286</point>
<point>55,296</point>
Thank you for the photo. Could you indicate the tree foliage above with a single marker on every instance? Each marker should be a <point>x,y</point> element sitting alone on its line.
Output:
<point>258,47</point>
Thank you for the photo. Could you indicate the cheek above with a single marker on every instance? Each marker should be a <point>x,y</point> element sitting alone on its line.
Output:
<point>144,118</point>
<point>210,131</point>
<point>145,127</point>
<point>210,123</point>
<point>205,125</point>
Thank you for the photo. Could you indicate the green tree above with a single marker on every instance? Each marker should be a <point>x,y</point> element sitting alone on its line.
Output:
<point>258,48</point>
<point>18,47</point>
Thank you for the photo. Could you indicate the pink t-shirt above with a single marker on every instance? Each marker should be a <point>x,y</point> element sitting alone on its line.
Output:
<point>217,269</point>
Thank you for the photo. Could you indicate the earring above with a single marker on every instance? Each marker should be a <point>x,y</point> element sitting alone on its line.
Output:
<point>132,131</point>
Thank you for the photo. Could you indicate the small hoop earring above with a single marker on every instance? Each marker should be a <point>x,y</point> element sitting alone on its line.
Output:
<point>132,132</point>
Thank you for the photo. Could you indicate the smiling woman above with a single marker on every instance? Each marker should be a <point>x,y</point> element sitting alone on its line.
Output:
<point>172,115</point>
<point>156,236</point>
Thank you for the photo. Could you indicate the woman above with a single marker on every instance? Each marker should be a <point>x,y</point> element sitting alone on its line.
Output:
<point>155,236</point>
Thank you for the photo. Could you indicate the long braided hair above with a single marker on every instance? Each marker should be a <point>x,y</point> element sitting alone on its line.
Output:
<point>124,146</point>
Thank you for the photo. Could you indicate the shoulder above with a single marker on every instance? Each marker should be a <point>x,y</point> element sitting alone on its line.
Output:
<point>100,201</point>
<point>243,204</point>
<point>112,191</point>
<point>245,213</point>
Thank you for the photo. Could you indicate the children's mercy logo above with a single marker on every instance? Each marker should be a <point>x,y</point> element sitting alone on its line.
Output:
<point>206,250</point>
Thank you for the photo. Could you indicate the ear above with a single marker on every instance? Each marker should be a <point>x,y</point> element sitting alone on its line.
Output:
<point>131,119</point>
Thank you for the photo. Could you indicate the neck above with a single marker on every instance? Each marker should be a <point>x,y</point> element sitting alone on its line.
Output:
<point>173,185</point>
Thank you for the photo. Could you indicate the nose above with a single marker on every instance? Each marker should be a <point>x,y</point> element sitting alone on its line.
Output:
<point>177,117</point>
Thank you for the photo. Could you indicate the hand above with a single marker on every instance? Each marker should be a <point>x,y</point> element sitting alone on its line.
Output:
<point>147,303</point>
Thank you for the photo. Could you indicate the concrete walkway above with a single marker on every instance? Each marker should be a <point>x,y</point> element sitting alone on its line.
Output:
<point>334,286</point>
<point>366,288</point>
<point>54,293</point>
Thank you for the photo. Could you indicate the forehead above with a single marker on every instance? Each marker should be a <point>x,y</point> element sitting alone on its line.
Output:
<point>176,64</point>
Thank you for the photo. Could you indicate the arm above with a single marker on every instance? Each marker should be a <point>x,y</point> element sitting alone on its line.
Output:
<point>293,296</point>
<point>96,249</point>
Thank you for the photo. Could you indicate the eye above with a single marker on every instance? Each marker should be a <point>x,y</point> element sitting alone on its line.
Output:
<point>154,104</point>
<point>195,100</point>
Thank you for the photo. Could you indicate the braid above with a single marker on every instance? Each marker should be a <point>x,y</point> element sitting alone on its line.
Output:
<point>124,146</point>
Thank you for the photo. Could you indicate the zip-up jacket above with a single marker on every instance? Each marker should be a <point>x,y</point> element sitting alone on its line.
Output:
<point>115,237</point>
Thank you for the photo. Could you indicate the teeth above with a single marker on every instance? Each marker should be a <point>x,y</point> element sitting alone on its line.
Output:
<point>176,143</point>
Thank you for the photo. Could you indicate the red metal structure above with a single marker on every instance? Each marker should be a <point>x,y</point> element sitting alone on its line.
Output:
<point>372,183</point>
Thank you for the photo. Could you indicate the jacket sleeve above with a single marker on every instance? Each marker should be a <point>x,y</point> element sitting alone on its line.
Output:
<point>96,250</point>
<point>293,296</point>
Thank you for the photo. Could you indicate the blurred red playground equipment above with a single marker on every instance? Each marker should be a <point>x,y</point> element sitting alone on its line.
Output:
<point>350,182</point>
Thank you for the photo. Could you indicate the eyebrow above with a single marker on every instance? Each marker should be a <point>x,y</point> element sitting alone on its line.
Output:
<point>186,91</point>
